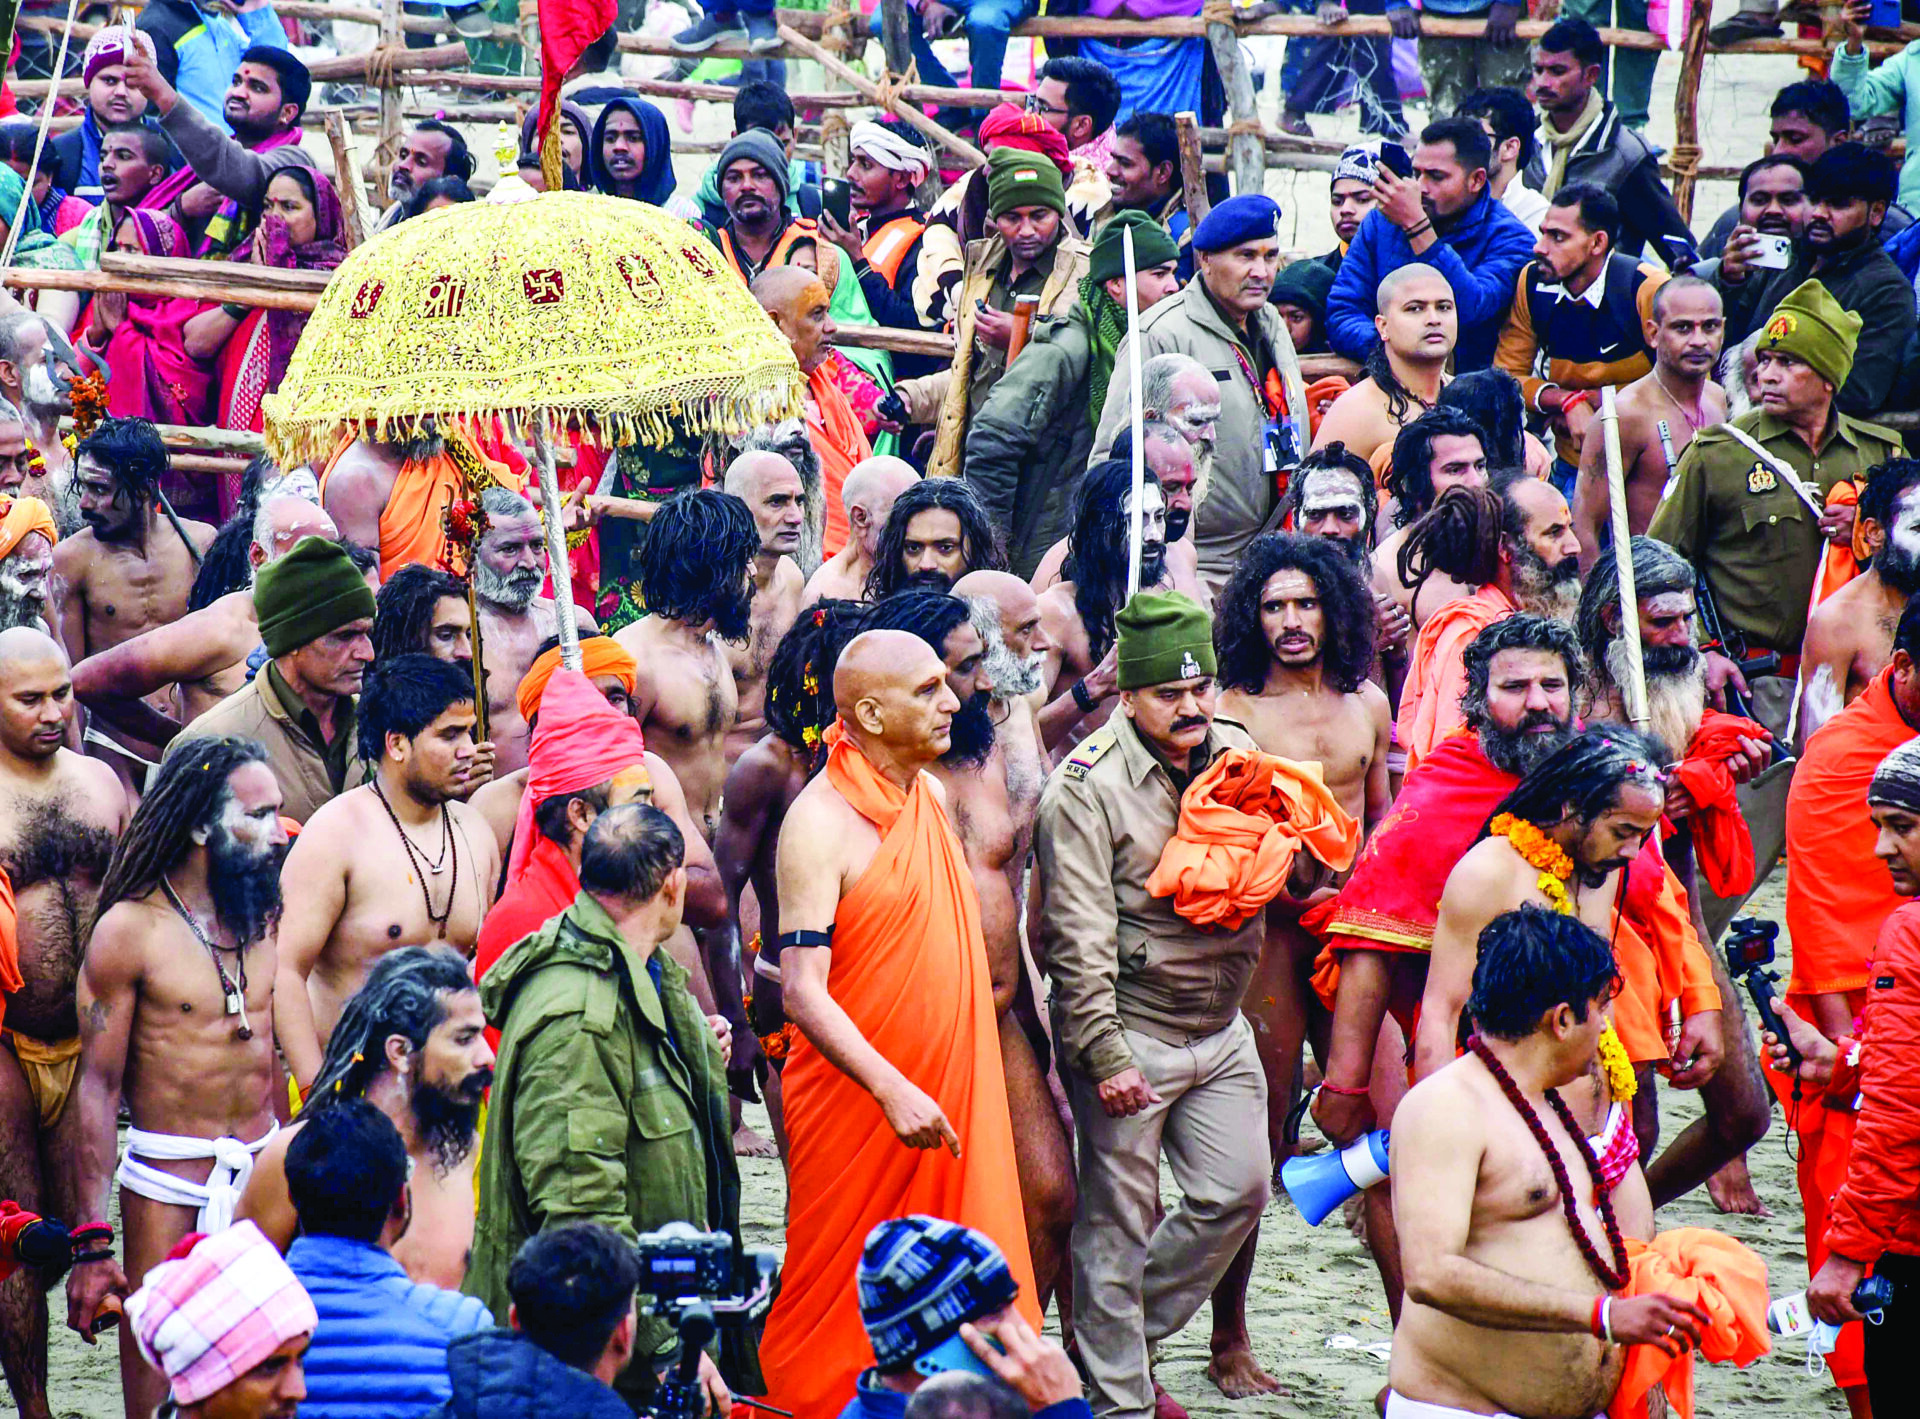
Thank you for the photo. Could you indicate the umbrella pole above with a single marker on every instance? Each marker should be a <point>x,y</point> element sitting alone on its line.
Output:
<point>559,568</point>
<point>1635,690</point>
<point>1138,416</point>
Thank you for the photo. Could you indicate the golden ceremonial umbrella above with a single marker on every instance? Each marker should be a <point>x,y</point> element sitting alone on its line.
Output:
<point>569,311</point>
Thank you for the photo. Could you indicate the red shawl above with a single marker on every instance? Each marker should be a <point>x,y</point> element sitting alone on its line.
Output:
<point>1722,845</point>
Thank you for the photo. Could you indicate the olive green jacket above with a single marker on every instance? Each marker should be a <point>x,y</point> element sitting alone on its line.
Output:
<point>609,1105</point>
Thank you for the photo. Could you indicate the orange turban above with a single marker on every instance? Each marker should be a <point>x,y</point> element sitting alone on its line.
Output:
<point>18,517</point>
<point>599,655</point>
<point>581,740</point>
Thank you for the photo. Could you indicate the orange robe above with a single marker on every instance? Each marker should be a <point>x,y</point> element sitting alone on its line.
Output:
<point>1430,698</point>
<point>910,969</point>
<point>836,435</point>
<point>412,528</point>
<point>1838,895</point>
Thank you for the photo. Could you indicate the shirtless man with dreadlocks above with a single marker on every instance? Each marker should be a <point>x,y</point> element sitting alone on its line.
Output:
<point>760,788</point>
<point>696,570</point>
<point>176,1013</point>
<point>1077,611</point>
<point>59,815</point>
<point>411,1042</point>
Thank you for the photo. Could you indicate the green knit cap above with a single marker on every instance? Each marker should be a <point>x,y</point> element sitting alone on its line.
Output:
<point>1019,179</point>
<point>1162,636</point>
<point>1151,246</point>
<point>1810,325</point>
<point>314,589</point>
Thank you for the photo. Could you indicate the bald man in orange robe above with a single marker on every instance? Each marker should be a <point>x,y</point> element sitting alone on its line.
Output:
<point>798,302</point>
<point>894,1096</point>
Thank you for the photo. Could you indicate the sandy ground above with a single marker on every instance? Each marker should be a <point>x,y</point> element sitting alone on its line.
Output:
<point>1315,1305</point>
<point>1316,1302</point>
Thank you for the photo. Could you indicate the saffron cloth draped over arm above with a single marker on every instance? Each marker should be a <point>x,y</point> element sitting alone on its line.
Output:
<point>1437,674</point>
<point>1725,1279</point>
<point>1241,823</point>
<point>1721,843</point>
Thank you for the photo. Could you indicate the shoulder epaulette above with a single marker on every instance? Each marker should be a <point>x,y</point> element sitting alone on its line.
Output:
<point>1088,754</point>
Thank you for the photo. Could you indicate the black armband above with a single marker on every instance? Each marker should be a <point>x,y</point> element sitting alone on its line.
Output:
<point>1083,697</point>
<point>804,938</point>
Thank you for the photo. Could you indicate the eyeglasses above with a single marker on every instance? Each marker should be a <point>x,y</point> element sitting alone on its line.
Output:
<point>1036,103</point>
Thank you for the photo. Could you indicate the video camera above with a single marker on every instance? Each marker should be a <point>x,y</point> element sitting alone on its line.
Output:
<point>1749,952</point>
<point>703,1280</point>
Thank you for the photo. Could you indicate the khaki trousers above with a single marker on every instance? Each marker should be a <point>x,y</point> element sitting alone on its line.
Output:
<point>1134,1283</point>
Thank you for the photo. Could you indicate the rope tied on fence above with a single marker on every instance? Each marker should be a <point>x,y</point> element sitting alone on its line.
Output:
<point>890,89</point>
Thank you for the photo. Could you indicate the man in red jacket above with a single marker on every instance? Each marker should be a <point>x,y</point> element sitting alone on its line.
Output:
<point>1875,1221</point>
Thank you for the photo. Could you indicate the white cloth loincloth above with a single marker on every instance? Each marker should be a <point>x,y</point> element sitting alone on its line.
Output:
<point>216,1198</point>
<point>1400,1407</point>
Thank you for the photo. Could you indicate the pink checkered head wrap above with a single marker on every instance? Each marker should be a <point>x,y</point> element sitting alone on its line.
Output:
<point>208,1317</point>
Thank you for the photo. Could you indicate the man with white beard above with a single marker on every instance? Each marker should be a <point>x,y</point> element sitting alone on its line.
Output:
<point>1179,390</point>
<point>37,366</point>
<point>1711,1149</point>
<point>509,568</point>
<point>1850,634</point>
<point>27,536</point>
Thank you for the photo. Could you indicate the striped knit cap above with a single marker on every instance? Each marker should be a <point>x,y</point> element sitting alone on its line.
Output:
<point>1896,784</point>
<point>920,1279</point>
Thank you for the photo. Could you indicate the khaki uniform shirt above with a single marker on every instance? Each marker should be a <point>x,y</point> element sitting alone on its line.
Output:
<point>1757,544</point>
<point>310,770</point>
<point>1120,959</point>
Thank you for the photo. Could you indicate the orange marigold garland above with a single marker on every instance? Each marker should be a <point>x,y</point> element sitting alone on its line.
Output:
<point>1550,860</point>
<point>88,397</point>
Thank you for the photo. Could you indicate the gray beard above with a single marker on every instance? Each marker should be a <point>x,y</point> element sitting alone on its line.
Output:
<point>1556,600</point>
<point>1675,702</point>
<point>499,591</point>
<point>17,610</point>
<point>1013,678</point>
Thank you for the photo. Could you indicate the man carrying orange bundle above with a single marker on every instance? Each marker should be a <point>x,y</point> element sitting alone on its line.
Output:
<point>884,971</point>
<point>1146,1009</point>
<point>1838,897</point>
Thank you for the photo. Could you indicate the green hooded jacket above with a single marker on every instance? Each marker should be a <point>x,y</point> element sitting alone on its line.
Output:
<point>609,1105</point>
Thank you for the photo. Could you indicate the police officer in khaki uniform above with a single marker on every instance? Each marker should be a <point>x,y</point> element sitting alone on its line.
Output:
<point>1147,1011</point>
<point>1728,510</point>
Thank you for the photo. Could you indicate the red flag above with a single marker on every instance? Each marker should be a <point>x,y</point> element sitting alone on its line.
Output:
<point>567,27</point>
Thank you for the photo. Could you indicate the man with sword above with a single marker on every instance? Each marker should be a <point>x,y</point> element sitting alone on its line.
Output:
<point>1747,505</point>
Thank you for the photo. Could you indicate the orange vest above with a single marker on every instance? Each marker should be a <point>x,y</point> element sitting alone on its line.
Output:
<point>888,247</point>
<point>799,230</point>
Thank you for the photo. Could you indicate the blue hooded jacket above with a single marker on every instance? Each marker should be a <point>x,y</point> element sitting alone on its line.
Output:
<point>656,173</point>
<point>381,1346</point>
<point>1481,257</point>
<point>500,1374</point>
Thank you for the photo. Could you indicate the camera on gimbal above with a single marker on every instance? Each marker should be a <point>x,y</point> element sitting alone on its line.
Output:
<point>1750,943</point>
<point>701,1280</point>
<point>1749,952</point>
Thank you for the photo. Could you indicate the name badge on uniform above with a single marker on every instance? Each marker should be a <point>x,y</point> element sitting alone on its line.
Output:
<point>1760,479</point>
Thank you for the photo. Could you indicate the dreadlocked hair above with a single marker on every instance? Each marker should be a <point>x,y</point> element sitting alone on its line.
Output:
<point>1099,545</point>
<point>1493,400</point>
<point>225,566</point>
<point>1347,634</point>
<point>799,703</point>
<point>695,552</point>
<point>187,794</point>
<point>132,453</point>
<point>980,548</point>
<point>1584,777</point>
<point>930,615</point>
<point>1459,537</point>
<point>405,994</point>
<point>1377,369</point>
<point>1658,570</point>
<point>403,608</point>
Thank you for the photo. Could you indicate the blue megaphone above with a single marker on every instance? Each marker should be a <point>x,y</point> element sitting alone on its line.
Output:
<point>1318,1185</point>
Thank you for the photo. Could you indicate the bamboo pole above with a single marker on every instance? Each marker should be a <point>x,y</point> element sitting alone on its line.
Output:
<point>214,273</point>
<point>1685,158</point>
<point>1193,173</point>
<point>346,177</point>
<point>32,279</point>
<point>1635,689</point>
<point>1246,155</point>
<point>896,40</point>
<point>906,112</point>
